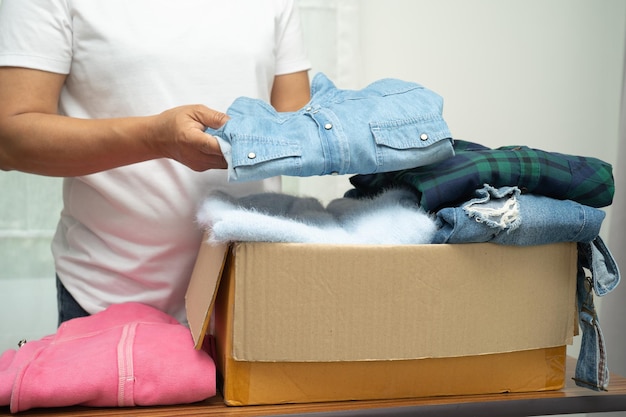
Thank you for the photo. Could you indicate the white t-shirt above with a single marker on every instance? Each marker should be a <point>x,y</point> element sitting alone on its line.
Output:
<point>129,234</point>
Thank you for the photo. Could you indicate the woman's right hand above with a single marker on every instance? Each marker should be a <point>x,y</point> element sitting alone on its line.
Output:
<point>179,134</point>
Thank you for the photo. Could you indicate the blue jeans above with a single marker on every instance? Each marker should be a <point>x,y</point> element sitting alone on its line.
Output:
<point>597,273</point>
<point>67,306</point>
<point>505,216</point>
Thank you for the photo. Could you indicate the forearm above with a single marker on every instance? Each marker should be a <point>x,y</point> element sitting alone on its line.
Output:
<point>56,145</point>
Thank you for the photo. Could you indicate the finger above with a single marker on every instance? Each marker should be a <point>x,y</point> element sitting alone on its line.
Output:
<point>213,118</point>
<point>215,162</point>
<point>208,156</point>
<point>211,145</point>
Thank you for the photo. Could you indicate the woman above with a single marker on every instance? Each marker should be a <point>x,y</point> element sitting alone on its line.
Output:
<point>115,97</point>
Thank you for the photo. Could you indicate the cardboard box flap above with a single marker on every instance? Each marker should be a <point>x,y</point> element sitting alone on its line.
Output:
<point>202,289</point>
<point>325,303</point>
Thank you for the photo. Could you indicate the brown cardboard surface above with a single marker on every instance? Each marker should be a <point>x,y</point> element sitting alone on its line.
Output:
<point>202,289</point>
<point>248,383</point>
<point>305,323</point>
<point>323,303</point>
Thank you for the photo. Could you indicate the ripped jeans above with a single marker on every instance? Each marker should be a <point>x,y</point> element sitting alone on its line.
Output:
<point>505,216</point>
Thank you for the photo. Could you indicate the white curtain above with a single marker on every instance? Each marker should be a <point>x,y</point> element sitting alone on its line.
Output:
<point>28,215</point>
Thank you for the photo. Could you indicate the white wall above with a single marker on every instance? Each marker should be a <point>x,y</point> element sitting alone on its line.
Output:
<point>614,307</point>
<point>536,72</point>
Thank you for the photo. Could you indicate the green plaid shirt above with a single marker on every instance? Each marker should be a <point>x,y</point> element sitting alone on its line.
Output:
<point>586,180</point>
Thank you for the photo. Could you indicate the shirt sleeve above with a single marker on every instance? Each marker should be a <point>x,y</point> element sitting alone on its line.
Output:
<point>291,53</point>
<point>36,34</point>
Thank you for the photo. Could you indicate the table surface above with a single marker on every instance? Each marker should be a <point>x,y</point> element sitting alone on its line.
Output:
<point>571,399</point>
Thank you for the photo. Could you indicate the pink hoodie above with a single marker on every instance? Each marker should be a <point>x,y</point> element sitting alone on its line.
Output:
<point>130,354</point>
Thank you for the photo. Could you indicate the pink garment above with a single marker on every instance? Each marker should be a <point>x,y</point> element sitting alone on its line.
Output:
<point>128,355</point>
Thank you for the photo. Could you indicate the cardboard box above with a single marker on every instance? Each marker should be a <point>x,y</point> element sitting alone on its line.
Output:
<point>306,323</point>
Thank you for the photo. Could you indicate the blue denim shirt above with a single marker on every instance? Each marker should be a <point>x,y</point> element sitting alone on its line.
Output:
<point>597,272</point>
<point>389,125</point>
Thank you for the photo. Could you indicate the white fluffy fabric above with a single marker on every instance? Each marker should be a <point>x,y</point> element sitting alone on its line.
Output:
<point>393,217</point>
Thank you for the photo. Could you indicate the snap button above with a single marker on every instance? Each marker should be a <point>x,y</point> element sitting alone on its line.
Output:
<point>424,136</point>
<point>251,155</point>
<point>309,108</point>
<point>328,126</point>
